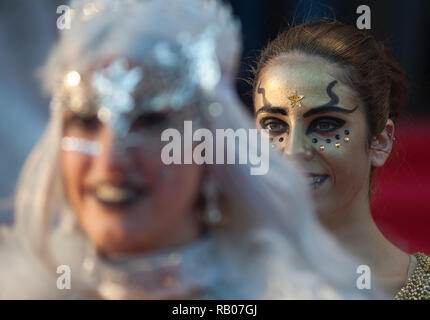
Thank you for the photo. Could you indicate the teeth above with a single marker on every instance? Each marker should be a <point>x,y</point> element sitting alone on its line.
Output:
<point>110,193</point>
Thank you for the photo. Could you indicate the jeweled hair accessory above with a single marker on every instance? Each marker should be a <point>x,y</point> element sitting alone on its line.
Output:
<point>114,87</point>
<point>85,10</point>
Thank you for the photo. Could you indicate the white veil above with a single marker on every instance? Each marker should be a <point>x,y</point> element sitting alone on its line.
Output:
<point>273,246</point>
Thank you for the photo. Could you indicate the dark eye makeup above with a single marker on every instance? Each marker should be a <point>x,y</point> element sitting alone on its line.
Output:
<point>78,121</point>
<point>92,123</point>
<point>321,125</point>
<point>324,125</point>
<point>274,125</point>
<point>147,120</point>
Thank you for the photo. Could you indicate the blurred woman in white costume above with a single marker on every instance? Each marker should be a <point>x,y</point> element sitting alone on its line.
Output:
<point>94,195</point>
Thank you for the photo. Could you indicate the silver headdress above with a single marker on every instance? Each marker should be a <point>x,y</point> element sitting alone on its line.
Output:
<point>171,72</point>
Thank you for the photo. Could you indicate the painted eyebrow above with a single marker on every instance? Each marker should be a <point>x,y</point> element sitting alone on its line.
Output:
<point>271,109</point>
<point>325,109</point>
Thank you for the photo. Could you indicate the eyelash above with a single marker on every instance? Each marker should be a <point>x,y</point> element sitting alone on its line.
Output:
<point>92,123</point>
<point>85,123</point>
<point>266,122</point>
<point>149,120</point>
<point>333,124</point>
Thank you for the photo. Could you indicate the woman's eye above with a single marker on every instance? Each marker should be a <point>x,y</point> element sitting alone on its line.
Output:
<point>86,123</point>
<point>149,120</point>
<point>274,125</point>
<point>323,125</point>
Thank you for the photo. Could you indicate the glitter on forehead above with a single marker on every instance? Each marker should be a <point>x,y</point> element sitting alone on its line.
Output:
<point>197,64</point>
<point>205,69</point>
<point>164,54</point>
<point>169,62</point>
<point>114,86</point>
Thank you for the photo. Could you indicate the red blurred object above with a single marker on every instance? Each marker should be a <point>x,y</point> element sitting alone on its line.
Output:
<point>401,205</point>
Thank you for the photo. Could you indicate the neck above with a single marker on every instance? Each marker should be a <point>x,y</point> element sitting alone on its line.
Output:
<point>356,232</point>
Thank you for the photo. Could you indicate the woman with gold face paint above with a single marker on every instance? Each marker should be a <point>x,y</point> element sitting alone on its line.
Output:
<point>329,95</point>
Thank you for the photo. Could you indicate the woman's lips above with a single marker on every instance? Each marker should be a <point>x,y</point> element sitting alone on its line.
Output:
<point>112,195</point>
<point>316,180</point>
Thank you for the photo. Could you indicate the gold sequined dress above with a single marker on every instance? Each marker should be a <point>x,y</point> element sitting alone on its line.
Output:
<point>417,286</point>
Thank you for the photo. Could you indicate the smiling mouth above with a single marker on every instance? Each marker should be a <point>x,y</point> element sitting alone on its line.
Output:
<point>111,195</point>
<point>316,180</point>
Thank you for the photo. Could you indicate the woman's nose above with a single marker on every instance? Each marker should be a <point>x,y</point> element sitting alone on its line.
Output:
<point>297,145</point>
<point>113,154</point>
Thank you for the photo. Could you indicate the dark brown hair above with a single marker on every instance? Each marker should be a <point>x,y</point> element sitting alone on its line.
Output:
<point>377,77</point>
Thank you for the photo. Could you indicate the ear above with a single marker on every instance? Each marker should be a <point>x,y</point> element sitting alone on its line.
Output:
<point>381,145</point>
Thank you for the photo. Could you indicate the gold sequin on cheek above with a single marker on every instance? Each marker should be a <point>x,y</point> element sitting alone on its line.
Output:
<point>346,139</point>
<point>322,148</point>
<point>417,286</point>
<point>337,145</point>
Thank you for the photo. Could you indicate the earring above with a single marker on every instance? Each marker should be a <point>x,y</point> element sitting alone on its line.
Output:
<point>212,216</point>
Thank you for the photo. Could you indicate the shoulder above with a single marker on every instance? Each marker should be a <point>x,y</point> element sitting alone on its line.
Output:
<point>417,287</point>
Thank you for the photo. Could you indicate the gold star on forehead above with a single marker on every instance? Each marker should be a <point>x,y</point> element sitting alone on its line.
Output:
<point>295,100</point>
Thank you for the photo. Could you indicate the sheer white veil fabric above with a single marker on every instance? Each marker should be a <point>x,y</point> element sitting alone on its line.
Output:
<point>272,246</point>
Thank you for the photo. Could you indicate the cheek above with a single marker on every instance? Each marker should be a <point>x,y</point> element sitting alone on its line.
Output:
<point>178,191</point>
<point>174,187</point>
<point>349,165</point>
<point>73,169</point>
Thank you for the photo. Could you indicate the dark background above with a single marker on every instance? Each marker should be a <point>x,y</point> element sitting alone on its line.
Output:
<point>28,31</point>
<point>403,25</point>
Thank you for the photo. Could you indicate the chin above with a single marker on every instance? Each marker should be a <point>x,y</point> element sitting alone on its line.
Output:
<point>112,241</point>
<point>324,204</point>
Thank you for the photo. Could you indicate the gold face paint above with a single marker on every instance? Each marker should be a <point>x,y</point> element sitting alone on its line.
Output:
<point>326,136</point>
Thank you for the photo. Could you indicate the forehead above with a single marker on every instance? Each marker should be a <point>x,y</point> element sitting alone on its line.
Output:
<point>311,78</point>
